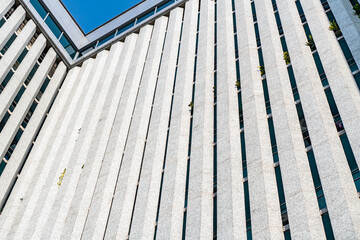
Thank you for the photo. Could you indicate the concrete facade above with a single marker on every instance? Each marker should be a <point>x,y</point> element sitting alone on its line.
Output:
<point>194,126</point>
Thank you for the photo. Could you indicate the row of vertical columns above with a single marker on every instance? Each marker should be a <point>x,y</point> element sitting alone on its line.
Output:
<point>45,194</point>
<point>25,102</point>
<point>58,203</point>
<point>264,200</point>
<point>81,157</point>
<point>30,173</point>
<point>231,223</point>
<point>330,157</point>
<point>119,112</point>
<point>341,81</point>
<point>265,211</point>
<point>199,220</point>
<point>11,24</point>
<point>22,72</point>
<point>9,175</point>
<point>132,160</point>
<point>144,217</point>
<point>171,211</point>
<point>16,48</point>
<point>45,174</point>
<point>349,24</point>
<point>339,188</point>
<point>5,5</point>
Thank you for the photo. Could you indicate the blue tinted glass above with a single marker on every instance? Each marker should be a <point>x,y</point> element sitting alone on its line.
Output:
<point>161,7</point>
<point>53,27</point>
<point>126,27</point>
<point>104,40</point>
<point>39,8</point>
<point>142,18</point>
<point>2,21</point>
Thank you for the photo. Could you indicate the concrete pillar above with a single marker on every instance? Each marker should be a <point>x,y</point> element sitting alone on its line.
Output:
<point>144,217</point>
<point>349,24</point>
<point>25,102</point>
<point>10,26</point>
<point>171,211</point>
<point>16,49</point>
<point>19,155</point>
<point>22,72</point>
<point>13,210</point>
<point>341,81</point>
<point>5,5</point>
<point>199,219</point>
<point>231,223</point>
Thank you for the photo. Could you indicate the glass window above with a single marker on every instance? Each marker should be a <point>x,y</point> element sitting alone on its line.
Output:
<point>161,7</point>
<point>39,8</point>
<point>53,26</point>
<point>142,18</point>
<point>126,27</point>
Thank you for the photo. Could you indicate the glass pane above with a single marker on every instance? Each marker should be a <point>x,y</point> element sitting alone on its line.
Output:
<point>39,8</point>
<point>53,27</point>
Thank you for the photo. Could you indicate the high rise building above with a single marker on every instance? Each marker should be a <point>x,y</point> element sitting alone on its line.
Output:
<point>197,119</point>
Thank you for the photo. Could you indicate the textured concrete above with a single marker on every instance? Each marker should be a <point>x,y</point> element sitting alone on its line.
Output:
<point>16,49</point>
<point>230,190</point>
<point>10,26</point>
<point>171,210</point>
<point>349,24</point>
<point>10,129</point>
<point>94,164</point>
<point>22,72</point>
<point>199,219</point>
<point>264,201</point>
<point>9,175</point>
<point>144,217</point>
<point>5,5</point>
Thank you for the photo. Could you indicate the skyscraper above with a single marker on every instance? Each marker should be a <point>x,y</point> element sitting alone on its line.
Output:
<point>198,119</point>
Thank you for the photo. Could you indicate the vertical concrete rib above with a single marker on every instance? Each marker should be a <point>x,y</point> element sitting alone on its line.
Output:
<point>341,81</point>
<point>103,188</point>
<point>67,148</point>
<point>47,171</point>
<point>16,49</point>
<point>5,5</point>
<point>199,220</point>
<point>144,217</point>
<point>13,210</point>
<point>265,210</point>
<point>131,163</point>
<point>17,80</point>
<point>171,211</point>
<point>24,104</point>
<point>324,137</point>
<point>230,190</point>
<point>18,156</point>
<point>8,29</point>
<point>349,24</point>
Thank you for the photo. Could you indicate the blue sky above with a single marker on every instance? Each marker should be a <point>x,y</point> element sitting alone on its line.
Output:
<point>90,14</point>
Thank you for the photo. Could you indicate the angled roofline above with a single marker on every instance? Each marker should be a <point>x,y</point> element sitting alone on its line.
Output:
<point>72,44</point>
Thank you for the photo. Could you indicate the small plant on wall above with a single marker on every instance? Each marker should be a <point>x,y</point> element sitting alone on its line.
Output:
<point>356,8</point>
<point>262,70</point>
<point>311,43</point>
<point>335,28</point>
<point>287,58</point>
<point>237,83</point>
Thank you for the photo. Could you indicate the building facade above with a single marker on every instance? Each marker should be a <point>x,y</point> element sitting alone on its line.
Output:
<point>206,119</point>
